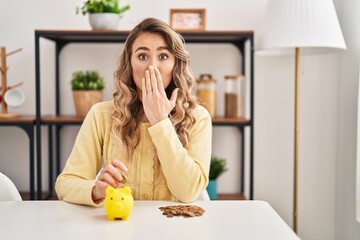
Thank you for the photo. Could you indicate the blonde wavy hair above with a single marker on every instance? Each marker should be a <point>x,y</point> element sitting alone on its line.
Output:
<point>126,104</point>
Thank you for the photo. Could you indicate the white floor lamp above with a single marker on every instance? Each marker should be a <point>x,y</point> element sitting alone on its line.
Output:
<point>287,27</point>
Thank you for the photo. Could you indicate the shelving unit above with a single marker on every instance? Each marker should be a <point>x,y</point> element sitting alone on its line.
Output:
<point>63,37</point>
<point>26,123</point>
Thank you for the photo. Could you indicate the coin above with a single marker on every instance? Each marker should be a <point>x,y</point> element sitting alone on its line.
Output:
<point>124,177</point>
<point>125,180</point>
<point>182,210</point>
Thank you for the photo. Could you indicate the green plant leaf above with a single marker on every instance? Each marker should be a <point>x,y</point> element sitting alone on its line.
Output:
<point>88,80</point>
<point>102,6</point>
<point>217,167</point>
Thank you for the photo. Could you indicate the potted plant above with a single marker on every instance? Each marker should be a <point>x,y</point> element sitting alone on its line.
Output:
<point>103,14</point>
<point>87,90</point>
<point>217,167</point>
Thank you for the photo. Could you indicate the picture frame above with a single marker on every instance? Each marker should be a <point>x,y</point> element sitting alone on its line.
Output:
<point>188,20</point>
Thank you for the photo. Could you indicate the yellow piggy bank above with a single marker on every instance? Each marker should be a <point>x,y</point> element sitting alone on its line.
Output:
<point>118,203</point>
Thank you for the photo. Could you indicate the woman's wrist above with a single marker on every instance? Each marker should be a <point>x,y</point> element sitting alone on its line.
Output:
<point>95,195</point>
<point>155,121</point>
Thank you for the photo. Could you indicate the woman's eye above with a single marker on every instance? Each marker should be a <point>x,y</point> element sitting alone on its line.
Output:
<point>143,57</point>
<point>163,56</point>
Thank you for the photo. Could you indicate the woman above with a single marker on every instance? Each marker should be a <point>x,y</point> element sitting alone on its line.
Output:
<point>153,131</point>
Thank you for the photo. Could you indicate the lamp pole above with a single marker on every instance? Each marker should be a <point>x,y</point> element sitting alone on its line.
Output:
<point>296,137</point>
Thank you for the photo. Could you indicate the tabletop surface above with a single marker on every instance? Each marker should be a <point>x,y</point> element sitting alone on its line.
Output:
<point>221,220</point>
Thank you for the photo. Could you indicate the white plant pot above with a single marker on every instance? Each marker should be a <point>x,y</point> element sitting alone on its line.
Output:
<point>109,21</point>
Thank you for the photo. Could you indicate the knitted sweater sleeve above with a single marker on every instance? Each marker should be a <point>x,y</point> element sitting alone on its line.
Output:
<point>76,181</point>
<point>186,169</point>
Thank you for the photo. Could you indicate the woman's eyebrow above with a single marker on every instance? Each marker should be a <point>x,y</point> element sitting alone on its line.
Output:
<point>158,49</point>
<point>142,48</point>
<point>163,48</point>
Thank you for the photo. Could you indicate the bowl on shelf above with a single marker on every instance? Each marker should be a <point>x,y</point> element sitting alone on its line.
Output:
<point>14,98</point>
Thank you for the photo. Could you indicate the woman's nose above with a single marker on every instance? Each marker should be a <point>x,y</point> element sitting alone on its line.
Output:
<point>153,62</point>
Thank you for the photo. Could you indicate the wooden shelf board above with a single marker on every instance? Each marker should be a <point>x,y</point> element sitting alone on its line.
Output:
<point>223,120</point>
<point>62,119</point>
<point>21,119</point>
<point>232,196</point>
<point>116,36</point>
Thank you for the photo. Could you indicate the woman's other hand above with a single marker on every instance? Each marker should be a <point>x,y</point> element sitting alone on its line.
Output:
<point>155,102</point>
<point>111,175</point>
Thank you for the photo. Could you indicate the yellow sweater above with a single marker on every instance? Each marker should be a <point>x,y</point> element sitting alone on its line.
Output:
<point>161,168</point>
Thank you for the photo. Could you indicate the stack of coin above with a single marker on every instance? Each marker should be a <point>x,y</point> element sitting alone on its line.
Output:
<point>182,210</point>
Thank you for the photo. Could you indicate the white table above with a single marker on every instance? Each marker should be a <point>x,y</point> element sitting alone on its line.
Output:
<point>222,220</point>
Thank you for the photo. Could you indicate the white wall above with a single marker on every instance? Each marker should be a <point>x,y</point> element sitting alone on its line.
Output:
<point>346,225</point>
<point>327,142</point>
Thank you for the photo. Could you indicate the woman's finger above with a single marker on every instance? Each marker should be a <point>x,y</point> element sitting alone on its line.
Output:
<point>107,178</point>
<point>114,172</point>
<point>99,191</point>
<point>120,165</point>
<point>159,81</point>
<point>143,89</point>
<point>148,82</point>
<point>173,97</point>
<point>101,184</point>
<point>154,82</point>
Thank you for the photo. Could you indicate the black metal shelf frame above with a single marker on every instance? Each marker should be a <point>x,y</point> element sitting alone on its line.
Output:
<point>28,128</point>
<point>62,38</point>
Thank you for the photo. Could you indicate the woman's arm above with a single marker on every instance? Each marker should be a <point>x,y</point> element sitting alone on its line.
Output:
<point>77,180</point>
<point>186,169</point>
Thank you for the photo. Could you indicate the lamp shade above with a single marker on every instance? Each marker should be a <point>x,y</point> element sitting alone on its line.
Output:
<point>310,24</point>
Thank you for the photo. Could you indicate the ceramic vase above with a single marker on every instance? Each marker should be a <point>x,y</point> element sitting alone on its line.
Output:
<point>105,21</point>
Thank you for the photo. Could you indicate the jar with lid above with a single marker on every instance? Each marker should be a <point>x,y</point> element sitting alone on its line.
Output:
<point>234,96</point>
<point>206,91</point>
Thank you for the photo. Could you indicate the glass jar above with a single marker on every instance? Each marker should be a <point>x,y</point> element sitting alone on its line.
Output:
<point>206,91</point>
<point>234,96</point>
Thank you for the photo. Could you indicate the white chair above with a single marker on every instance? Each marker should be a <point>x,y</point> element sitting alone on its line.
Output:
<point>8,190</point>
<point>204,196</point>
